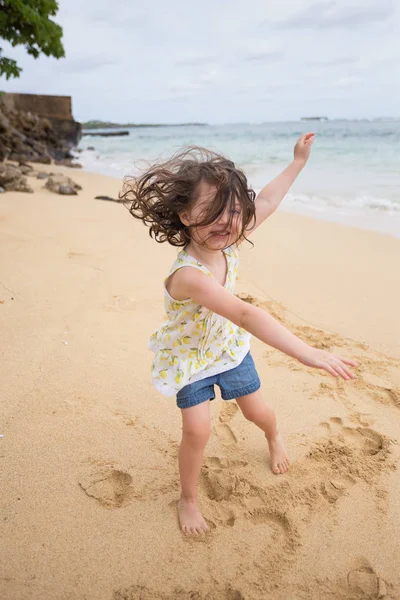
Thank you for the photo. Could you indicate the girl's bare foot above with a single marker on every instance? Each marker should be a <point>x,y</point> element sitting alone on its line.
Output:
<point>279,457</point>
<point>190,518</point>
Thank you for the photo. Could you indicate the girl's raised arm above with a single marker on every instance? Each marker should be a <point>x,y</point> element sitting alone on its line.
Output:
<point>273,193</point>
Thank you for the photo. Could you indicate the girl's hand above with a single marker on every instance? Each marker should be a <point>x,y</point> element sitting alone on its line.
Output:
<point>335,365</point>
<point>302,148</point>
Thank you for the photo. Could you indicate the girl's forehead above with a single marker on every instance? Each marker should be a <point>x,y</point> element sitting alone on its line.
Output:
<point>205,193</point>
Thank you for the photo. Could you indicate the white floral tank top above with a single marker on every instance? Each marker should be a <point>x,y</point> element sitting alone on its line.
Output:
<point>194,343</point>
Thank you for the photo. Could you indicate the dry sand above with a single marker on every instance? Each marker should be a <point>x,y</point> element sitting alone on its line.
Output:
<point>89,454</point>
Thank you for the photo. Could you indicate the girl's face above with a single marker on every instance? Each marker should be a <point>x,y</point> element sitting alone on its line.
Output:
<point>221,233</point>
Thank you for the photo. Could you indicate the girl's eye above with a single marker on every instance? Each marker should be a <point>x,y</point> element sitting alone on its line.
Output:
<point>236,212</point>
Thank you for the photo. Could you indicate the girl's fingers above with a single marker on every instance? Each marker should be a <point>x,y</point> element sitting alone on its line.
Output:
<point>342,372</point>
<point>346,361</point>
<point>342,369</point>
<point>328,368</point>
<point>348,372</point>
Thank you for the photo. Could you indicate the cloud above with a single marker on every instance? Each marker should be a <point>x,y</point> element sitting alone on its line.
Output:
<point>140,62</point>
<point>196,61</point>
<point>331,14</point>
<point>85,63</point>
<point>334,62</point>
<point>263,56</point>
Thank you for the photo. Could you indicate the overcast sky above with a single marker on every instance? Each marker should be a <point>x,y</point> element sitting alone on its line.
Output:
<point>221,61</point>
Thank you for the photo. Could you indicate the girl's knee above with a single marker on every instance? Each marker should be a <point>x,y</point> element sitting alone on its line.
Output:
<point>255,413</point>
<point>197,434</point>
<point>196,424</point>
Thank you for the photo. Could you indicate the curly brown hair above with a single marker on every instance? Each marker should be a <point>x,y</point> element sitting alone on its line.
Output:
<point>167,189</point>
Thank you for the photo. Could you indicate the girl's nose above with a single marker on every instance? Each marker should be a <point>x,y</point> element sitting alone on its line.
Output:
<point>224,218</point>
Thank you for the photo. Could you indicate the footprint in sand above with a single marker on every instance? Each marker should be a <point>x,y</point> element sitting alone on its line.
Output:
<point>361,582</point>
<point>381,390</point>
<point>228,411</point>
<point>364,580</point>
<point>218,480</point>
<point>224,431</point>
<point>364,439</point>
<point>348,455</point>
<point>226,482</point>
<point>110,487</point>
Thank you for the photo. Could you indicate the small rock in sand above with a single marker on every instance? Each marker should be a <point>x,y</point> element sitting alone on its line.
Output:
<point>67,190</point>
<point>61,184</point>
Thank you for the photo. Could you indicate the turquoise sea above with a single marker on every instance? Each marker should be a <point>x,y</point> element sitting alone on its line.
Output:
<point>353,175</point>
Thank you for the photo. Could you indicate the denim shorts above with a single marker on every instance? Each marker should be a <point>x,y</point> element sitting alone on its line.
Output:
<point>236,382</point>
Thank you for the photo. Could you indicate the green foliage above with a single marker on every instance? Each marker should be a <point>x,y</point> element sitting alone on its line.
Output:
<point>27,23</point>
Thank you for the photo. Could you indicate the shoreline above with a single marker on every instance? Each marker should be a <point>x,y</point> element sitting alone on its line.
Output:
<point>378,222</point>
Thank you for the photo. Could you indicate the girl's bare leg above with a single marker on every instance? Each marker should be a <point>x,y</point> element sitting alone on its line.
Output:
<point>196,428</point>
<point>254,409</point>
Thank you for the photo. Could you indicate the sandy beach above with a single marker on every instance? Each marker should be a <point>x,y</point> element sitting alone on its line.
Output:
<point>89,453</point>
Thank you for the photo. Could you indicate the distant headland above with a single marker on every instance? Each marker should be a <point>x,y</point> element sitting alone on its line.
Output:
<point>110,125</point>
<point>314,119</point>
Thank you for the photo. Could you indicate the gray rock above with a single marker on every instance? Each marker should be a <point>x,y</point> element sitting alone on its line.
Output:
<point>90,148</point>
<point>60,183</point>
<point>25,169</point>
<point>2,190</point>
<point>42,175</point>
<point>67,190</point>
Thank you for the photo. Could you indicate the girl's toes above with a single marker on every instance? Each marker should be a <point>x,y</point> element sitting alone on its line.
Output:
<point>276,469</point>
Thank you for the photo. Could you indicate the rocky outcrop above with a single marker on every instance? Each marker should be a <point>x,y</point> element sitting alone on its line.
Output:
<point>37,128</point>
<point>56,109</point>
<point>13,180</point>
<point>27,137</point>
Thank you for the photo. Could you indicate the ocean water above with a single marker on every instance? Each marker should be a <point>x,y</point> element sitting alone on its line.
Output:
<point>353,175</point>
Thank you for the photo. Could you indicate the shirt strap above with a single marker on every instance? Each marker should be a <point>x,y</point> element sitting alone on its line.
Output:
<point>185,260</point>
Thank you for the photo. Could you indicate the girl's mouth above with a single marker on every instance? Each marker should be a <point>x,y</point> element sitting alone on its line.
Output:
<point>220,234</point>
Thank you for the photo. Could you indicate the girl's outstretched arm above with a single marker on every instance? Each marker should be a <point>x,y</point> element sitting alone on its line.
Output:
<point>207,292</point>
<point>273,193</point>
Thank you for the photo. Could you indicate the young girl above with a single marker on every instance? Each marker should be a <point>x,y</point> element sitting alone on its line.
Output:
<point>200,201</point>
